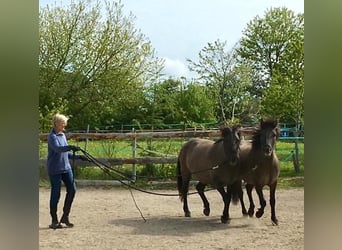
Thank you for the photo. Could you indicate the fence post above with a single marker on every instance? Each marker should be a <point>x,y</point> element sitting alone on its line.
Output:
<point>86,143</point>
<point>295,157</point>
<point>134,152</point>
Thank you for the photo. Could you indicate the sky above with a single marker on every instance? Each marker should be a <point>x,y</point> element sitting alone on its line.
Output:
<point>180,29</point>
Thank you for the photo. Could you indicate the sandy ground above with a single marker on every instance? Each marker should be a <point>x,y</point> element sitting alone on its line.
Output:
<point>109,219</point>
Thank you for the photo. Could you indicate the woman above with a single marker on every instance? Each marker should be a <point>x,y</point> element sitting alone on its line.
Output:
<point>59,170</point>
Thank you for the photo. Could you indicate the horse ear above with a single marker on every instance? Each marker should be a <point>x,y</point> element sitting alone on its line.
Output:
<point>277,129</point>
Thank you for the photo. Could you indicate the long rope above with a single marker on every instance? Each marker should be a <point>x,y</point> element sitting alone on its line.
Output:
<point>136,205</point>
<point>92,159</point>
<point>108,170</point>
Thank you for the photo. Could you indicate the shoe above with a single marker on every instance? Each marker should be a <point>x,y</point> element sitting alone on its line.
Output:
<point>65,220</point>
<point>55,225</point>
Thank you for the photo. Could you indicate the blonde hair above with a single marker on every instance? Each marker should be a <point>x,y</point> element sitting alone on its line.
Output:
<point>58,118</point>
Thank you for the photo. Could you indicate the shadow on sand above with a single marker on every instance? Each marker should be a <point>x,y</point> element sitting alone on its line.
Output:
<point>178,225</point>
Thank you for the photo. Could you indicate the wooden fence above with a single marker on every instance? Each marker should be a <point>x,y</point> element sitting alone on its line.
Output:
<point>146,135</point>
<point>134,136</point>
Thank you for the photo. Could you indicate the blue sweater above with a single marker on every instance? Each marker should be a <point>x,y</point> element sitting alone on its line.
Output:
<point>58,155</point>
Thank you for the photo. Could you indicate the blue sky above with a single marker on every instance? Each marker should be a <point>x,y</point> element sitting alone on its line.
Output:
<point>179,29</point>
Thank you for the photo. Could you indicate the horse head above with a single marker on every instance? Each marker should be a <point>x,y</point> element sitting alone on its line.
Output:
<point>231,137</point>
<point>268,134</point>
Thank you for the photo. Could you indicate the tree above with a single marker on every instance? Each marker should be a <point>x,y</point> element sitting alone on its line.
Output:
<point>164,102</point>
<point>267,42</point>
<point>284,100</point>
<point>226,79</point>
<point>274,47</point>
<point>195,105</point>
<point>176,101</point>
<point>93,59</point>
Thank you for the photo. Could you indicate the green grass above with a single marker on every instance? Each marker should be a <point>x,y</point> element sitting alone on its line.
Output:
<point>167,147</point>
<point>286,182</point>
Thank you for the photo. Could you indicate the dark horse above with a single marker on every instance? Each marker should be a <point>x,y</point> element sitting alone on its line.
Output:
<point>212,163</point>
<point>261,157</point>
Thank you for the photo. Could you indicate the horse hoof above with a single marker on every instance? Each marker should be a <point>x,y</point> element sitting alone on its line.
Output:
<point>250,213</point>
<point>206,211</point>
<point>259,213</point>
<point>274,222</point>
<point>225,220</point>
<point>187,214</point>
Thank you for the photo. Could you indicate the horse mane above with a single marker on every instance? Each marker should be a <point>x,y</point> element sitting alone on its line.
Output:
<point>223,131</point>
<point>256,138</point>
<point>264,124</point>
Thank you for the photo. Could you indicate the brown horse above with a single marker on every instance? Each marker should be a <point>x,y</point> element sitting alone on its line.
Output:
<point>212,163</point>
<point>260,155</point>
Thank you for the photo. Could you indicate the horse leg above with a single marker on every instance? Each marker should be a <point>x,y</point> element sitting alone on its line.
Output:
<point>272,203</point>
<point>183,180</point>
<point>262,201</point>
<point>226,196</point>
<point>185,189</point>
<point>243,207</point>
<point>185,207</point>
<point>249,188</point>
<point>200,189</point>
<point>239,191</point>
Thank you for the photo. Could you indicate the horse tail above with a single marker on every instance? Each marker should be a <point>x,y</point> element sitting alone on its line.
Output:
<point>235,190</point>
<point>179,180</point>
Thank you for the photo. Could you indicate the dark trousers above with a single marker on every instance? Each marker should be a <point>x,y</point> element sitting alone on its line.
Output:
<point>56,182</point>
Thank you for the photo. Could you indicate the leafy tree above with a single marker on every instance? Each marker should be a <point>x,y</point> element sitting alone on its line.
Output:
<point>274,47</point>
<point>164,102</point>
<point>176,101</point>
<point>284,99</point>
<point>195,105</point>
<point>226,79</point>
<point>268,42</point>
<point>93,60</point>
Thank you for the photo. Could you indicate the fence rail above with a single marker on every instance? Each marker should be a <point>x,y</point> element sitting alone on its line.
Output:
<point>146,135</point>
<point>122,161</point>
<point>134,136</point>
